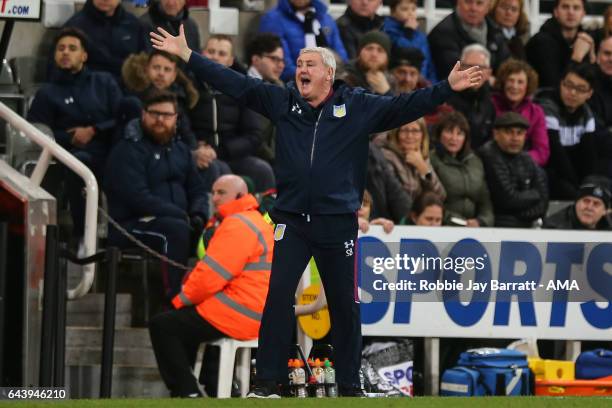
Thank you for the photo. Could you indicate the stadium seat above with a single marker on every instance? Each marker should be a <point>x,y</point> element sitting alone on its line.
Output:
<point>227,357</point>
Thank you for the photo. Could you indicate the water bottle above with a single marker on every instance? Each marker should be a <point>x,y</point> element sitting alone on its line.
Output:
<point>319,374</point>
<point>330,379</point>
<point>299,379</point>
<point>291,370</point>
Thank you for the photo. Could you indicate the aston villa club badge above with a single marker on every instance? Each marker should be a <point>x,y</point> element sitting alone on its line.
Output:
<point>340,111</point>
<point>279,231</point>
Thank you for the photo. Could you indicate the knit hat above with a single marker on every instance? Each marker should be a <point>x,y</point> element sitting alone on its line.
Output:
<point>377,37</point>
<point>595,188</point>
<point>406,56</point>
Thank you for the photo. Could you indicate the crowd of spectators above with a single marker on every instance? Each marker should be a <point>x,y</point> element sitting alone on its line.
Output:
<point>538,127</point>
<point>533,130</point>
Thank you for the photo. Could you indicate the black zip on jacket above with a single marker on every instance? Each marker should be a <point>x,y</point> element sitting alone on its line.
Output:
<point>321,154</point>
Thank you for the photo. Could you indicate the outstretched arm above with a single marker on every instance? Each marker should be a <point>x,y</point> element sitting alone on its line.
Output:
<point>263,98</point>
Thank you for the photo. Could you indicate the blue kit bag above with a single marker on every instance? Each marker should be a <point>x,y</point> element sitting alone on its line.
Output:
<point>594,364</point>
<point>488,371</point>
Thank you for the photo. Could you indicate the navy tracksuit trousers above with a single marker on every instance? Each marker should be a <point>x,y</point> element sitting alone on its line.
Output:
<point>331,240</point>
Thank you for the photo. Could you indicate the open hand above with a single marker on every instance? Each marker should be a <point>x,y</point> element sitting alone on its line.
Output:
<point>164,41</point>
<point>461,80</point>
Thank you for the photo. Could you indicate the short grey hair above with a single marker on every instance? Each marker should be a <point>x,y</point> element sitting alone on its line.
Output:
<point>326,55</point>
<point>476,48</point>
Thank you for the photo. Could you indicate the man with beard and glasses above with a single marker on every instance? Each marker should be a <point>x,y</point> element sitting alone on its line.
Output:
<point>153,187</point>
<point>322,149</point>
<point>80,107</point>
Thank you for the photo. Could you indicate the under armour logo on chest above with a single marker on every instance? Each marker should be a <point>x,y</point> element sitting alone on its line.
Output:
<point>69,100</point>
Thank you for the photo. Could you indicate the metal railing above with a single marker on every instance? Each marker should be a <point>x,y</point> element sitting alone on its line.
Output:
<point>53,150</point>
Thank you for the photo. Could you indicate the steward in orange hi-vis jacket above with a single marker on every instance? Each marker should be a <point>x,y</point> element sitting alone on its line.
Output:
<point>229,285</point>
<point>224,295</point>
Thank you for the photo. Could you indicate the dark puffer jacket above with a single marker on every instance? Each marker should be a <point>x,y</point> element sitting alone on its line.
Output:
<point>549,53</point>
<point>479,110</point>
<point>144,178</point>
<point>110,40</point>
<point>352,27</point>
<point>567,219</point>
<point>518,186</point>
<point>448,38</point>
<point>239,129</point>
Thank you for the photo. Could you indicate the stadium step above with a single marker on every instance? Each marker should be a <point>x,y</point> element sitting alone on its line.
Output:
<point>88,311</point>
<point>128,382</point>
<point>135,372</point>
<point>125,337</point>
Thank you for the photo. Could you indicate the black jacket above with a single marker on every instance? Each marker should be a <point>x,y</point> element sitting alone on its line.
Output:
<point>479,110</point>
<point>567,219</point>
<point>601,104</point>
<point>144,179</point>
<point>110,39</point>
<point>389,199</point>
<point>239,128</point>
<point>549,53</point>
<point>73,100</point>
<point>448,38</point>
<point>155,17</point>
<point>517,185</point>
<point>352,27</point>
<point>321,153</point>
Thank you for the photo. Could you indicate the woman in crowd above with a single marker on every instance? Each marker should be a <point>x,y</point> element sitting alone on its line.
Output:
<point>427,210</point>
<point>407,150</point>
<point>515,84</point>
<point>462,174</point>
<point>511,18</point>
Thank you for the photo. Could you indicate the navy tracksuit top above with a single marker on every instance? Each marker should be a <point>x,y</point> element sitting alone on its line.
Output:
<point>321,153</point>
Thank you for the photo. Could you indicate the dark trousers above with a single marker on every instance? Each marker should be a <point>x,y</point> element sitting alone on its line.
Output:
<point>74,187</point>
<point>175,336</point>
<point>166,235</point>
<point>331,240</point>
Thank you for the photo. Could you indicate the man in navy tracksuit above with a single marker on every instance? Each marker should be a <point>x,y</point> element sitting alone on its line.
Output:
<point>321,156</point>
<point>80,107</point>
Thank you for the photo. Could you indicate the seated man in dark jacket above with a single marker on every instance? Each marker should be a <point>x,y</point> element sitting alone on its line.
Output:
<point>517,185</point>
<point>571,131</point>
<point>466,25</point>
<point>233,130</point>
<point>153,187</point>
<point>79,106</point>
<point>358,18</point>
<point>589,212</point>
<point>144,73</point>
<point>476,104</point>
<point>112,34</point>
<point>559,42</point>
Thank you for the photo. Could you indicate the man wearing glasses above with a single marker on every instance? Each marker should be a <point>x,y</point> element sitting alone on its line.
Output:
<point>153,187</point>
<point>266,60</point>
<point>571,126</point>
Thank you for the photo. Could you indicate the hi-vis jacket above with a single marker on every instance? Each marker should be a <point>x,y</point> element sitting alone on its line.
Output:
<point>229,285</point>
